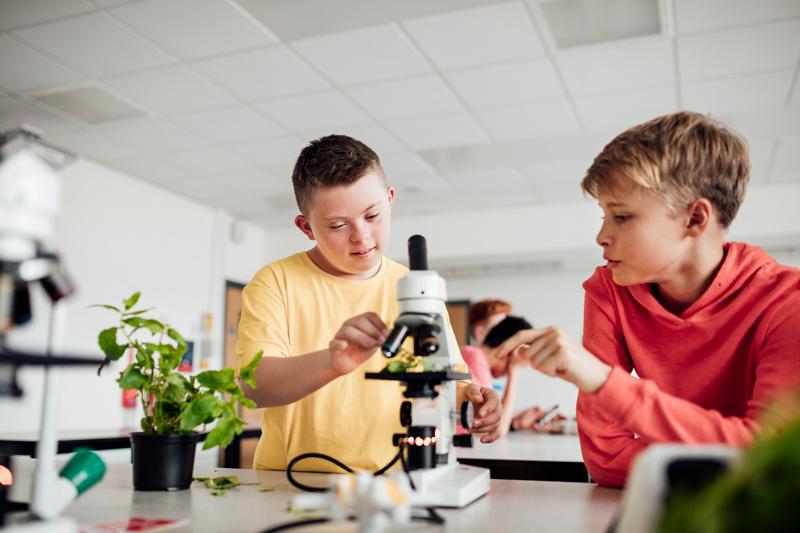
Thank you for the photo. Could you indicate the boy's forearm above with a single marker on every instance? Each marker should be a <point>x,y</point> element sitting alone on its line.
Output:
<point>507,402</point>
<point>284,380</point>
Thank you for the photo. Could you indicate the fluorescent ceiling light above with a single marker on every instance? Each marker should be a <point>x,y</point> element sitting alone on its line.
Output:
<point>582,22</point>
<point>91,104</point>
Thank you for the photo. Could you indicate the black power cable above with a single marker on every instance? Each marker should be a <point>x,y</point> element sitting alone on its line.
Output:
<point>433,517</point>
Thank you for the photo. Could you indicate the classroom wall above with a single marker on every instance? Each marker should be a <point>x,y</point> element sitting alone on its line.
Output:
<point>116,235</point>
<point>553,249</point>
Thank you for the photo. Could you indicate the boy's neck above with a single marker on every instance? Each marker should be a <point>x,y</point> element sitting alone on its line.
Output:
<point>319,259</point>
<point>691,281</point>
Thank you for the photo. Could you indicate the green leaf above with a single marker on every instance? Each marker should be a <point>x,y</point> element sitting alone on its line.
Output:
<point>169,359</point>
<point>247,373</point>
<point>138,322</point>
<point>246,402</point>
<point>144,358</point>
<point>108,343</point>
<point>131,300</point>
<point>174,335</point>
<point>132,378</point>
<point>218,380</point>
<point>106,306</point>
<point>154,326</point>
<point>147,424</point>
<point>139,312</point>
<point>223,432</point>
<point>134,321</point>
<point>202,408</point>
<point>175,390</point>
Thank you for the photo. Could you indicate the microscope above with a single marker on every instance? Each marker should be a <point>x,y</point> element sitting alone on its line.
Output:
<point>29,200</point>
<point>429,411</point>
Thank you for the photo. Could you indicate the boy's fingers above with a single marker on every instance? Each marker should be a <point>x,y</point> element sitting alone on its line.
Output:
<point>376,321</point>
<point>338,344</point>
<point>356,336</point>
<point>533,351</point>
<point>367,326</point>
<point>474,393</point>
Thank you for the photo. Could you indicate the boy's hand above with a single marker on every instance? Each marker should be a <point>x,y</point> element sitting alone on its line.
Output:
<point>488,411</point>
<point>355,342</point>
<point>552,352</point>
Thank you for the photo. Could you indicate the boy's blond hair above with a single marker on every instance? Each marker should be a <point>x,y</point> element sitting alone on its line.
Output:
<point>680,157</point>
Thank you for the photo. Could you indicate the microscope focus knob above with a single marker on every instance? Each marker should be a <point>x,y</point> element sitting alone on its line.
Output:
<point>405,414</point>
<point>467,414</point>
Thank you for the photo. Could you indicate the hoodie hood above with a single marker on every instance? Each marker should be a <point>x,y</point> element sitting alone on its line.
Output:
<point>745,269</point>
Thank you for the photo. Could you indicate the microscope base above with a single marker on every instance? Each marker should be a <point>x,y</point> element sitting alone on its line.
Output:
<point>452,485</point>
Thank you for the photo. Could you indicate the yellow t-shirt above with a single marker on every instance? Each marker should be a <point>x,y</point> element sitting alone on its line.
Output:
<point>290,308</point>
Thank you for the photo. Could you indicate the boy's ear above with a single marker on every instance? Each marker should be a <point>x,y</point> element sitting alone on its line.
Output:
<point>390,193</point>
<point>701,214</point>
<point>303,225</point>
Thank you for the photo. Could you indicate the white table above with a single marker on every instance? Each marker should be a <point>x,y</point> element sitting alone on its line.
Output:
<point>530,456</point>
<point>510,506</point>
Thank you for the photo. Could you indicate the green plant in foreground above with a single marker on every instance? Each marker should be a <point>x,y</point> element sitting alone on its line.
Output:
<point>173,402</point>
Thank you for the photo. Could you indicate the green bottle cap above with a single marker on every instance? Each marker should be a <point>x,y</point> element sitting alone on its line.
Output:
<point>84,470</point>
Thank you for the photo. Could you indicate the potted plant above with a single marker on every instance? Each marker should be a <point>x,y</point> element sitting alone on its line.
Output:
<point>175,405</point>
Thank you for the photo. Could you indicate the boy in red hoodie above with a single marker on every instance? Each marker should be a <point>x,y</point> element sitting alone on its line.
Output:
<point>711,328</point>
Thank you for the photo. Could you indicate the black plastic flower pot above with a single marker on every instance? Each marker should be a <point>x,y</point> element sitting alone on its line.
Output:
<point>163,462</point>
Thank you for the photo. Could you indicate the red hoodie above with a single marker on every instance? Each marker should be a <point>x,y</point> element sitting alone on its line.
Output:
<point>705,375</point>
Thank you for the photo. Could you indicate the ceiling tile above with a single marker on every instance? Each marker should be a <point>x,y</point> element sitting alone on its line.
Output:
<point>377,138</point>
<point>455,129</point>
<point>507,181</point>
<point>558,180</point>
<point>171,90</point>
<point>407,171</point>
<point>634,64</point>
<point>204,189</point>
<point>408,202</point>
<point>365,55</point>
<point>744,93</point>
<point>25,69</point>
<point>16,13</point>
<point>210,161</point>
<point>93,144</point>
<point>231,125</point>
<point>258,184</point>
<point>153,136</point>
<point>500,85</point>
<point>193,28</point>
<point>741,50</point>
<point>262,74</point>
<point>760,157</point>
<point>14,113</point>
<point>95,44</point>
<point>530,120</point>
<point>695,15</point>
<point>787,161</point>
<point>151,168</point>
<point>624,109</point>
<point>477,36</point>
<point>278,154</point>
<point>290,19</point>
<point>406,98</point>
<point>328,110</point>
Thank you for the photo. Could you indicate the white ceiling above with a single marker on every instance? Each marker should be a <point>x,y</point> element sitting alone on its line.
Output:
<point>469,103</point>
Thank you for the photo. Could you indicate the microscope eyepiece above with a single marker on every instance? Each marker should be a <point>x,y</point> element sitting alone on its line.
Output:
<point>417,253</point>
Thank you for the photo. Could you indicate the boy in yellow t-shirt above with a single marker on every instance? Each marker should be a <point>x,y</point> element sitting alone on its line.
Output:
<point>311,380</point>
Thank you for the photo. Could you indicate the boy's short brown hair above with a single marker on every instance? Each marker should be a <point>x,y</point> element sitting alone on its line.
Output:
<point>329,161</point>
<point>481,310</point>
<point>679,157</point>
